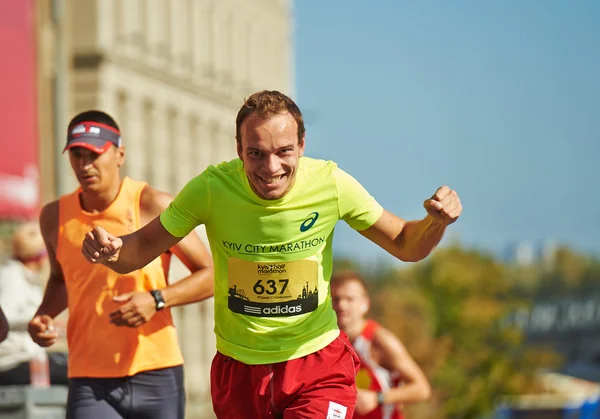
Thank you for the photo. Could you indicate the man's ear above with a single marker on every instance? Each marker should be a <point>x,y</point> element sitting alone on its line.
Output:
<point>301,144</point>
<point>120,156</point>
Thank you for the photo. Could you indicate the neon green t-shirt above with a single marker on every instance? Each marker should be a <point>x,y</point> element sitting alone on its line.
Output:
<point>272,258</point>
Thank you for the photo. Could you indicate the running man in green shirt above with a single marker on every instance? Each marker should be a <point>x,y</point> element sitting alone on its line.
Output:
<point>270,217</point>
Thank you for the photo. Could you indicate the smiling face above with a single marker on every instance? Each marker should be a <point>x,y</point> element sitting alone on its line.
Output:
<point>96,172</point>
<point>271,151</point>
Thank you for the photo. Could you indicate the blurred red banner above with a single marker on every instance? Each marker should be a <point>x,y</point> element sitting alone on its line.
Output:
<point>19,179</point>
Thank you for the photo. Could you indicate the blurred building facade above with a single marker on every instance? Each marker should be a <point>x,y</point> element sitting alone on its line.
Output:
<point>528,253</point>
<point>174,74</point>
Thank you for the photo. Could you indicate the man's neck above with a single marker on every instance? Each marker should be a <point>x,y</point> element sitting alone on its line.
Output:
<point>98,202</point>
<point>355,329</point>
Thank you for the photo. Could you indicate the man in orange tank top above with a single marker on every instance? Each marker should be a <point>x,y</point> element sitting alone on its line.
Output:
<point>124,358</point>
<point>389,377</point>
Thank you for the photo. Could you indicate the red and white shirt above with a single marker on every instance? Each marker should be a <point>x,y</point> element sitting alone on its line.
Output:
<point>372,376</point>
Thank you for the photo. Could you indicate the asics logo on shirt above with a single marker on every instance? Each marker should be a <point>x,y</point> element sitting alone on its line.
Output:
<point>309,222</point>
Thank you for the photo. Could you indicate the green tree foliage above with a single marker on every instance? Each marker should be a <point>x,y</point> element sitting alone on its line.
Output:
<point>448,310</point>
<point>565,273</point>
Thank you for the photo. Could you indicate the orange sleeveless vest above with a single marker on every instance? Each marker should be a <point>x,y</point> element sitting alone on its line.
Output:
<point>98,348</point>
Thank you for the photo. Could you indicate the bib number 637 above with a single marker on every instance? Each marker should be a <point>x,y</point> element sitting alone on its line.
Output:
<point>270,286</point>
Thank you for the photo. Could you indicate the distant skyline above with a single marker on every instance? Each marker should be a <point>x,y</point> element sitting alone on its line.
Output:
<point>498,99</point>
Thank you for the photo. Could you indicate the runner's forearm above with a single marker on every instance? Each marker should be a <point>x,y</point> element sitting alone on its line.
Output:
<point>407,393</point>
<point>55,298</point>
<point>142,247</point>
<point>130,256</point>
<point>419,238</point>
<point>196,287</point>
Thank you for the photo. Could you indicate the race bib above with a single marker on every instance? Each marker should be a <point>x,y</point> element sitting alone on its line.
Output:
<point>273,289</point>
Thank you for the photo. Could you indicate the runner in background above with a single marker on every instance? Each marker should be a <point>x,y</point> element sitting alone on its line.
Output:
<point>389,377</point>
<point>22,280</point>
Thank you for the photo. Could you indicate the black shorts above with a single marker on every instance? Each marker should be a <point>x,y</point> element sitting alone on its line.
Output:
<point>157,394</point>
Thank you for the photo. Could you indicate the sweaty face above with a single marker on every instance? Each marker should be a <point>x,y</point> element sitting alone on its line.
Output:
<point>350,303</point>
<point>94,171</point>
<point>271,153</point>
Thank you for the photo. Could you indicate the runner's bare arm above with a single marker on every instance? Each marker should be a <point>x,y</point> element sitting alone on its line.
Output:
<point>41,327</point>
<point>138,307</point>
<point>55,296</point>
<point>131,252</point>
<point>199,285</point>
<point>396,359</point>
<point>411,241</point>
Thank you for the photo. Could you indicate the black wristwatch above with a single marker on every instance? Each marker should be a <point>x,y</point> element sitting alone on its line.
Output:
<point>380,398</point>
<point>158,298</point>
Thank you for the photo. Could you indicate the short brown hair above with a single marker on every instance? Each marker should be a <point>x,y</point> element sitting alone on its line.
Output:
<point>343,277</point>
<point>267,103</point>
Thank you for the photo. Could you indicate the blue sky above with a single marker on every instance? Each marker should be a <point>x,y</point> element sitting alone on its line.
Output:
<point>498,99</point>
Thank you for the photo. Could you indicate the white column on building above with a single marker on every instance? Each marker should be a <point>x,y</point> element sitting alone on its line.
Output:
<point>143,12</point>
<point>121,112</point>
<point>148,135</point>
<point>248,59</point>
<point>280,62</point>
<point>132,131</point>
<point>286,53</point>
<point>218,44</point>
<point>196,31</point>
<point>157,159</point>
<point>239,54</point>
<point>203,145</point>
<point>179,138</point>
<point>227,47</point>
<point>198,162</point>
<point>108,98</point>
<point>178,35</point>
<point>271,70</point>
<point>211,41</point>
<point>216,148</point>
<point>107,27</point>
<point>170,149</point>
<point>156,30</point>
<point>163,165</point>
<point>119,27</point>
<point>131,19</point>
<point>264,70</point>
<point>166,50</point>
<point>253,58</point>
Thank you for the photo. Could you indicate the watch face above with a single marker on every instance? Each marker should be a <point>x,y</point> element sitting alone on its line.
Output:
<point>160,305</point>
